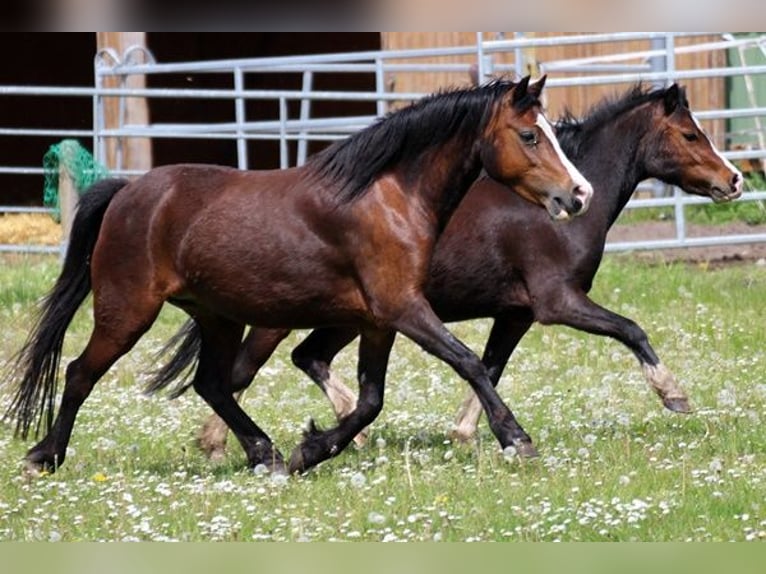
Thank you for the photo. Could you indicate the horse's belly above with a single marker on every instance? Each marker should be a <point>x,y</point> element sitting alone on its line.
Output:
<point>274,299</point>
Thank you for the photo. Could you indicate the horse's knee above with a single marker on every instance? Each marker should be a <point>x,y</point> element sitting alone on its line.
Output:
<point>301,358</point>
<point>369,406</point>
<point>242,373</point>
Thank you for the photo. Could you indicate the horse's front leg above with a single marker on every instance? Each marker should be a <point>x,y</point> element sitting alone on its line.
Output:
<point>575,309</point>
<point>505,335</point>
<point>422,326</point>
<point>374,350</point>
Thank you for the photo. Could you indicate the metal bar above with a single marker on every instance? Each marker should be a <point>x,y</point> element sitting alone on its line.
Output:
<point>638,203</point>
<point>260,64</point>
<point>363,96</point>
<point>481,73</point>
<point>25,209</point>
<point>239,114</point>
<point>305,113</point>
<point>648,54</point>
<point>284,159</point>
<point>593,68</point>
<point>15,132</point>
<point>23,170</point>
<point>687,242</point>
<point>5,248</point>
<point>380,87</point>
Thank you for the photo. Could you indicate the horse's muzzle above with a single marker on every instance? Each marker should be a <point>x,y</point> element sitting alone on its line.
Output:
<point>562,206</point>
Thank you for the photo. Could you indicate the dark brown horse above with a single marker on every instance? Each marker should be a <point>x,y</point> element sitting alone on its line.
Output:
<point>499,258</point>
<point>344,240</point>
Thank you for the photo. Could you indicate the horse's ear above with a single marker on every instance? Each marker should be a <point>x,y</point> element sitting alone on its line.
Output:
<point>537,88</point>
<point>521,89</point>
<point>672,98</point>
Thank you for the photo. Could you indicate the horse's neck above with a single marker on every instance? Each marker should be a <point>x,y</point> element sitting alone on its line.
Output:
<point>614,164</point>
<point>445,179</point>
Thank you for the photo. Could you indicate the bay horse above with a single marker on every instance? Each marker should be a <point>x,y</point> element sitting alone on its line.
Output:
<point>345,239</point>
<point>499,258</point>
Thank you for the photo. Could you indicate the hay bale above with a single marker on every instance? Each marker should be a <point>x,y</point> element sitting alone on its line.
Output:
<point>29,228</point>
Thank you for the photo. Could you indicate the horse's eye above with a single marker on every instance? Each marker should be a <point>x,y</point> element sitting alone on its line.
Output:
<point>690,137</point>
<point>529,138</point>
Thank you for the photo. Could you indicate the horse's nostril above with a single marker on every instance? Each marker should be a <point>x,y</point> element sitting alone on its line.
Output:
<point>576,205</point>
<point>581,192</point>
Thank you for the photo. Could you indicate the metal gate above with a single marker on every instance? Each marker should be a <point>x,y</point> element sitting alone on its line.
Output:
<point>610,65</point>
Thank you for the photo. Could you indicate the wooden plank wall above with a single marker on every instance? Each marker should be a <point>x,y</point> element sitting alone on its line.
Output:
<point>706,93</point>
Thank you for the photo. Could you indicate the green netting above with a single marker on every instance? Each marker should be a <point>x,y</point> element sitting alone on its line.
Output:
<point>79,164</point>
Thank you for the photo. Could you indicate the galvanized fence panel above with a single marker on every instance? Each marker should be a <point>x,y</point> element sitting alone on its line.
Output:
<point>656,65</point>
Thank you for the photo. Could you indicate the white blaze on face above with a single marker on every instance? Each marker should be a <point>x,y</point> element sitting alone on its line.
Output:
<point>579,180</point>
<point>725,161</point>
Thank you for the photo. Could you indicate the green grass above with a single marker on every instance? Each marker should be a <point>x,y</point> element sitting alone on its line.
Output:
<point>614,465</point>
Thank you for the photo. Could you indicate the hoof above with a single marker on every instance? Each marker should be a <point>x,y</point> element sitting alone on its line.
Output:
<point>297,462</point>
<point>678,405</point>
<point>525,449</point>
<point>360,440</point>
<point>277,468</point>
<point>461,435</point>
<point>216,456</point>
<point>31,470</point>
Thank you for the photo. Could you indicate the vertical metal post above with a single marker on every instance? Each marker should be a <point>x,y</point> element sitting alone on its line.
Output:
<point>240,117</point>
<point>670,57</point>
<point>99,151</point>
<point>380,87</point>
<point>480,69</point>
<point>284,160</point>
<point>670,68</point>
<point>305,114</point>
<point>118,144</point>
<point>518,57</point>
<point>658,63</point>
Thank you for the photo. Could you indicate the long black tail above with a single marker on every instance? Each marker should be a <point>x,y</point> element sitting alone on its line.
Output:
<point>187,347</point>
<point>40,356</point>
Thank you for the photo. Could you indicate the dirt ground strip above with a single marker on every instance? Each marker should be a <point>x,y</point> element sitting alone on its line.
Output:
<point>716,254</point>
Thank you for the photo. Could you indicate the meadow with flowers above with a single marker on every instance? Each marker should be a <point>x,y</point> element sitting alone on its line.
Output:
<point>613,465</point>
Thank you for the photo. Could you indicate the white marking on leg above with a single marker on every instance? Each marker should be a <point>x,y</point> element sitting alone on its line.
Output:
<point>343,402</point>
<point>468,417</point>
<point>341,397</point>
<point>663,382</point>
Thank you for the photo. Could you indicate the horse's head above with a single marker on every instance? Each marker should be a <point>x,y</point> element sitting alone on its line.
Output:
<point>683,154</point>
<point>520,149</point>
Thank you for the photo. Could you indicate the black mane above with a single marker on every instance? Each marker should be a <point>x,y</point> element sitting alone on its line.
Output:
<point>572,132</point>
<point>355,162</point>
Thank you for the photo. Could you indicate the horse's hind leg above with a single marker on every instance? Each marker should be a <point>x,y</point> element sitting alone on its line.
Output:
<point>315,355</point>
<point>374,350</point>
<point>110,339</point>
<point>212,381</point>
<point>254,351</point>
<point>503,339</point>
